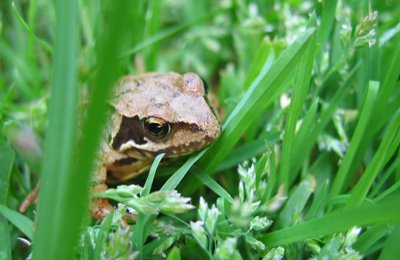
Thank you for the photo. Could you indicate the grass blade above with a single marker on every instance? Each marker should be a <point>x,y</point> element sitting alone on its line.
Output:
<point>5,246</point>
<point>307,143</point>
<point>384,178</point>
<point>145,222</point>
<point>370,237</point>
<point>388,191</point>
<point>392,248</point>
<point>252,104</point>
<point>20,221</point>
<point>335,222</point>
<point>64,194</point>
<point>212,184</point>
<point>296,202</point>
<point>300,89</point>
<point>152,174</point>
<point>364,184</point>
<point>318,203</point>
<point>105,229</point>
<point>60,146</point>
<point>7,156</point>
<point>340,184</point>
<point>28,30</point>
<point>138,238</point>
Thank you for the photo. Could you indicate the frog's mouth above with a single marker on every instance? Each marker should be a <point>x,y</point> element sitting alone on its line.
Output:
<point>169,151</point>
<point>182,139</point>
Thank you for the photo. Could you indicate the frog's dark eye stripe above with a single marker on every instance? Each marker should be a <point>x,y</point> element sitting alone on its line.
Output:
<point>205,85</point>
<point>156,127</point>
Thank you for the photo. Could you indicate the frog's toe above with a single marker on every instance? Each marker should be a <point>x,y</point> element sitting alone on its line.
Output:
<point>100,208</point>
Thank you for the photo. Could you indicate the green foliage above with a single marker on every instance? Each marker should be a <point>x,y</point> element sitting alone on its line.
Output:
<point>310,94</point>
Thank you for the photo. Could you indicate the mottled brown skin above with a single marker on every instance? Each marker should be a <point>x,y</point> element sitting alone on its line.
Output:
<point>178,100</point>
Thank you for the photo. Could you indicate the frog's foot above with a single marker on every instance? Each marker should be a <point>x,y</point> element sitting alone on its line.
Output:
<point>100,207</point>
<point>31,198</point>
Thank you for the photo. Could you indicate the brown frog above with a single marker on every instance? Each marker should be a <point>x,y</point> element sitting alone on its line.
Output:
<point>153,114</point>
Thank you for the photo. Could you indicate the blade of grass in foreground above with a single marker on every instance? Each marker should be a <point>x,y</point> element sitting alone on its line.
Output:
<point>64,190</point>
<point>52,237</point>
<point>260,92</point>
<point>336,222</point>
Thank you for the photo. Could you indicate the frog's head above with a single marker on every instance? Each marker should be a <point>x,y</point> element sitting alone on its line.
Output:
<point>167,113</point>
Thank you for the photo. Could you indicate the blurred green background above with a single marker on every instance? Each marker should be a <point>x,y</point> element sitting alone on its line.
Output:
<point>336,144</point>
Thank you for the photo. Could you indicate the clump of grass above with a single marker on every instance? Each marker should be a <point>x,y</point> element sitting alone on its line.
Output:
<point>310,93</point>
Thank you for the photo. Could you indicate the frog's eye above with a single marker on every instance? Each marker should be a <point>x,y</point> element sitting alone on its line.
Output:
<point>156,127</point>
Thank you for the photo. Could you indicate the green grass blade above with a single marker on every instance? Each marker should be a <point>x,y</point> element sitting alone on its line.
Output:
<point>324,118</point>
<point>364,184</point>
<point>305,127</point>
<point>28,30</point>
<point>53,234</point>
<point>20,221</point>
<point>252,104</point>
<point>343,174</point>
<point>389,82</point>
<point>392,248</point>
<point>247,151</point>
<point>300,89</point>
<point>388,191</point>
<point>7,156</point>
<point>318,203</point>
<point>104,230</point>
<point>326,26</point>
<point>272,179</point>
<point>138,237</point>
<point>262,62</point>
<point>296,202</point>
<point>327,21</point>
<point>370,237</point>
<point>145,222</point>
<point>5,246</point>
<point>384,178</point>
<point>335,222</point>
<point>152,174</point>
<point>153,25</point>
<point>64,193</point>
<point>212,184</point>
<point>381,115</point>
<point>176,178</point>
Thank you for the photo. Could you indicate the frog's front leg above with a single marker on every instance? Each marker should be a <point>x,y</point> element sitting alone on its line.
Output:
<point>99,207</point>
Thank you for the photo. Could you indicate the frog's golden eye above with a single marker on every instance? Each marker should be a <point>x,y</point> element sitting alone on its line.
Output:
<point>156,127</point>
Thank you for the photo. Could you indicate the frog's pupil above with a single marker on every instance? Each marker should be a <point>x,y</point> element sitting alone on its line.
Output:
<point>156,128</point>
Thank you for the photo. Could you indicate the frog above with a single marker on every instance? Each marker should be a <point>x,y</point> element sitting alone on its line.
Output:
<point>151,114</point>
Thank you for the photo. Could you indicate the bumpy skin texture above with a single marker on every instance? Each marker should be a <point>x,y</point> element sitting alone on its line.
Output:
<point>178,100</point>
